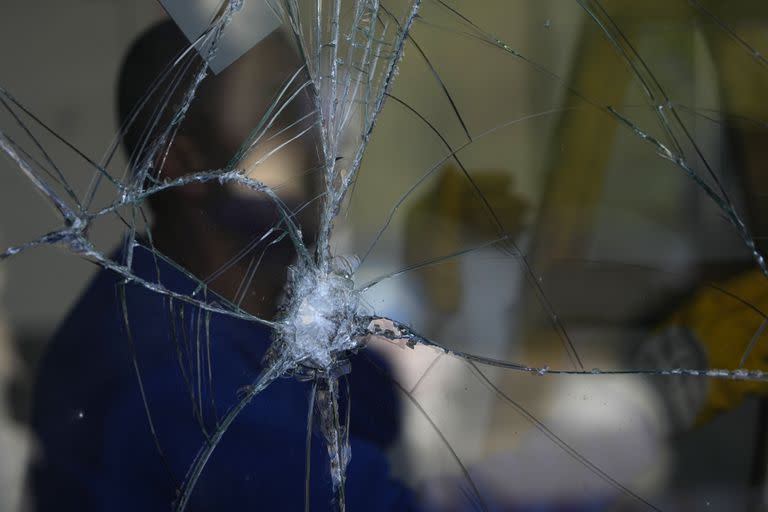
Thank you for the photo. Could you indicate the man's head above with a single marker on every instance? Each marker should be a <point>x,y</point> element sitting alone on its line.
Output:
<point>206,226</point>
<point>227,108</point>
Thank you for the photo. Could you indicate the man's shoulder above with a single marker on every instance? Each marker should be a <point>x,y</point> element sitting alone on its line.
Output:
<point>94,305</point>
<point>100,310</point>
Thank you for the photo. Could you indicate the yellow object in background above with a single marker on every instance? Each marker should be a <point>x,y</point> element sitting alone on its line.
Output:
<point>452,217</point>
<point>730,329</point>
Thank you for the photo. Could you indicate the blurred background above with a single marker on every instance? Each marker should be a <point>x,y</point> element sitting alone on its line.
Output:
<point>62,59</point>
<point>623,251</point>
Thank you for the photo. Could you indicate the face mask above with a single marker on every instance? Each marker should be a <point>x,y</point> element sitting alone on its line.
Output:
<point>251,216</point>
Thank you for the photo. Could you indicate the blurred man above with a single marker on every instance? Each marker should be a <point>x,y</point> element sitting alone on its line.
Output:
<point>134,383</point>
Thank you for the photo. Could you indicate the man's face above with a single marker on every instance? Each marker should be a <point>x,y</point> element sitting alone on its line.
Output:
<point>279,158</point>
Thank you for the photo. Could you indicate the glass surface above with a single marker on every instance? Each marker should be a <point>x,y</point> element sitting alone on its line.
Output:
<point>450,255</point>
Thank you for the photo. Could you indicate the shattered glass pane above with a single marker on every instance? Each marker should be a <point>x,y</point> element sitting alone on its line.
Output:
<point>401,254</point>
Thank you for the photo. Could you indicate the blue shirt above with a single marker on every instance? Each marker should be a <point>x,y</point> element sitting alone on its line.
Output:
<point>98,451</point>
